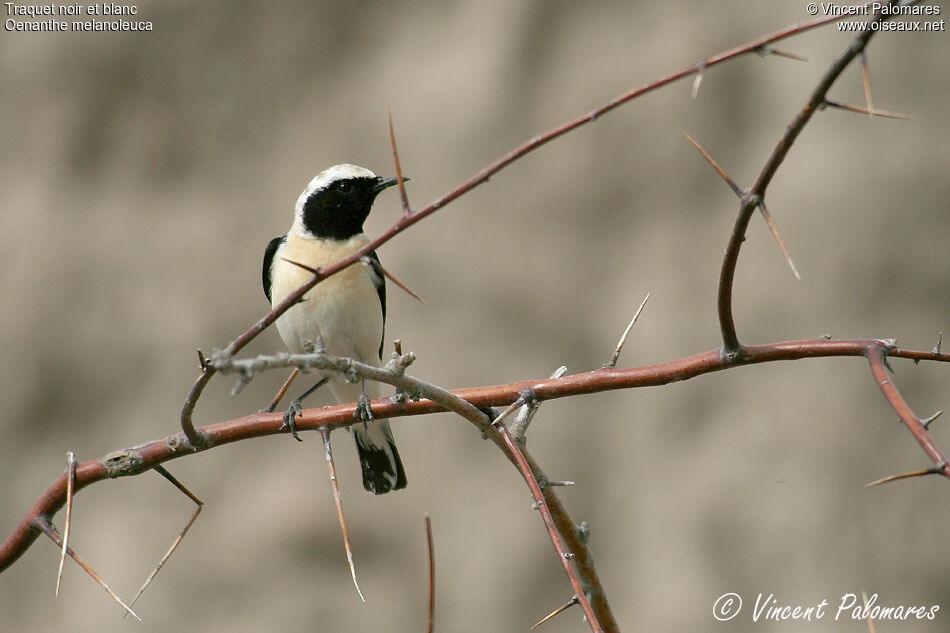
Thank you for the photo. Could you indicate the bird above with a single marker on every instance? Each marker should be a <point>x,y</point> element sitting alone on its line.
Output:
<point>346,312</point>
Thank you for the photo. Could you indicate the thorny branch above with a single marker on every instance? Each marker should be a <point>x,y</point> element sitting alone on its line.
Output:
<point>569,539</point>
<point>758,46</point>
<point>755,196</point>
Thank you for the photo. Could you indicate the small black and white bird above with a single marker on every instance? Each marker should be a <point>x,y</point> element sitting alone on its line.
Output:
<point>346,311</point>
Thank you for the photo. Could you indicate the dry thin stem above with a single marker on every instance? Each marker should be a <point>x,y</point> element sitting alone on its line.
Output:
<point>161,470</point>
<point>70,483</point>
<point>338,499</point>
<point>430,549</point>
<point>47,528</point>
<point>623,337</point>
<point>561,609</point>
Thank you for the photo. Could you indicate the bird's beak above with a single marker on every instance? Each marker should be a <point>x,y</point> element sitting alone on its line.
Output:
<point>385,183</point>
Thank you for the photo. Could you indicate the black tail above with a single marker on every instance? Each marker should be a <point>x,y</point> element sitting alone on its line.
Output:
<point>379,458</point>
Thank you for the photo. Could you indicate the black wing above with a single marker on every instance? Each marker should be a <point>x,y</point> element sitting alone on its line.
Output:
<point>380,282</point>
<point>272,249</point>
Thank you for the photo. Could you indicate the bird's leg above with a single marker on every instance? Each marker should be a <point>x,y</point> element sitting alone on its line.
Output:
<point>363,413</point>
<point>294,410</point>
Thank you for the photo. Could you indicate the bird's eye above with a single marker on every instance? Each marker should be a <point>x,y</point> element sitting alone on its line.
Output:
<point>344,186</point>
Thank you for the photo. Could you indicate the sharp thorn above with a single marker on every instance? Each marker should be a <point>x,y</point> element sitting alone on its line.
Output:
<point>561,609</point>
<point>309,269</point>
<point>623,337</point>
<point>709,159</point>
<point>778,239</point>
<point>70,486</point>
<point>926,422</point>
<point>914,473</point>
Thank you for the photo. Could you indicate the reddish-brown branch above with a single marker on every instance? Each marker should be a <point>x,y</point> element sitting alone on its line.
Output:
<point>137,459</point>
<point>753,198</point>
<point>194,436</point>
<point>540,500</point>
<point>583,560</point>
<point>915,425</point>
<point>565,536</point>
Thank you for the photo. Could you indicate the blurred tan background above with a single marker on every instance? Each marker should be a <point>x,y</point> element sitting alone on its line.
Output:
<point>143,174</point>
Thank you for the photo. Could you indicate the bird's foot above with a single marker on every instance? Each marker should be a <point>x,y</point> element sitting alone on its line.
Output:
<point>290,419</point>
<point>363,413</point>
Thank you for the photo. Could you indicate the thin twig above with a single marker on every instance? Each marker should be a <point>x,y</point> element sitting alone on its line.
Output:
<point>338,499</point>
<point>67,522</point>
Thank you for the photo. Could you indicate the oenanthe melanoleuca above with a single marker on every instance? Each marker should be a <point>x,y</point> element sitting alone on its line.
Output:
<point>347,311</point>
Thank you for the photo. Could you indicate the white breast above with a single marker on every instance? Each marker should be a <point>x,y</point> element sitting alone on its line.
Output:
<point>344,310</point>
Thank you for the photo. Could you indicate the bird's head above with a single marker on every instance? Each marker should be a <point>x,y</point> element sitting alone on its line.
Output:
<point>337,202</point>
